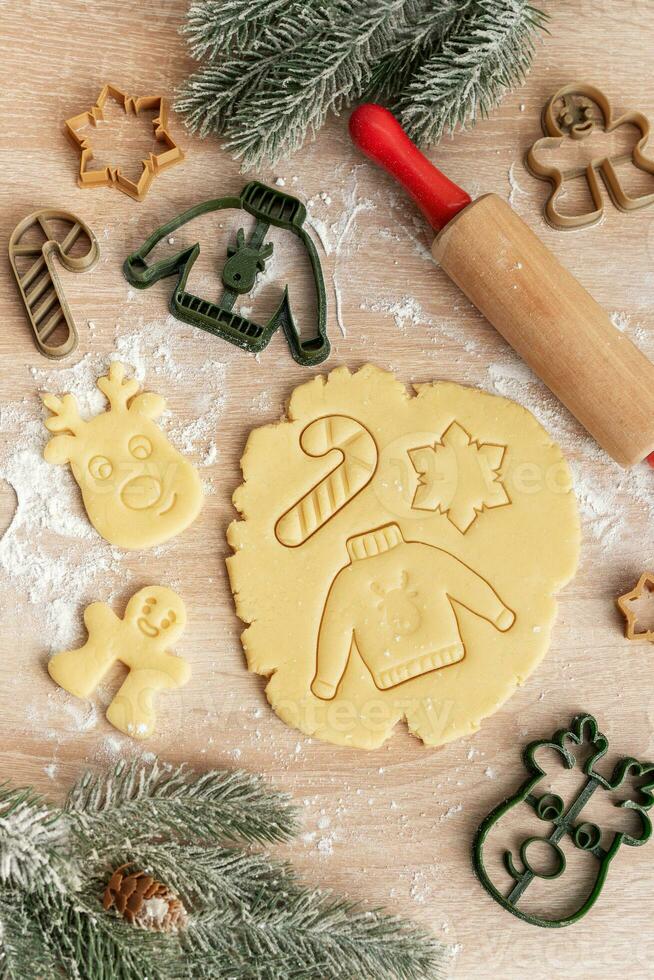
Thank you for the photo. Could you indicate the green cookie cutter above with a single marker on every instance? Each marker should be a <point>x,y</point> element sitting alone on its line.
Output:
<point>566,822</point>
<point>245,260</point>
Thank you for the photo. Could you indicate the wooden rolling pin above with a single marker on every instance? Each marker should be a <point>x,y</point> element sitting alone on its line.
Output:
<point>543,312</point>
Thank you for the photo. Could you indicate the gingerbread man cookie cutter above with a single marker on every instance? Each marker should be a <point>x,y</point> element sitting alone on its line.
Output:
<point>643,588</point>
<point>33,265</point>
<point>572,113</point>
<point>110,175</point>
<point>154,619</point>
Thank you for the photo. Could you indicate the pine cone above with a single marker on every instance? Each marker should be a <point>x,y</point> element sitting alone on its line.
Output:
<point>143,901</point>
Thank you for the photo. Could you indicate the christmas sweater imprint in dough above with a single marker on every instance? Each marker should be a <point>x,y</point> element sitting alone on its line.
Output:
<point>137,489</point>
<point>153,621</point>
<point>399,556</point>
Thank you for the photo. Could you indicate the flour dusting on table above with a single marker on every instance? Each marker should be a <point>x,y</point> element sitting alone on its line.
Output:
<point>55,562</point>
<point>50,555</point>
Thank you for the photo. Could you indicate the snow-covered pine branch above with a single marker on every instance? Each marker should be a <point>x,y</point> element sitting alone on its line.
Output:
<point>272,70</point>
<point>33,841</point>
<point>489,52</point>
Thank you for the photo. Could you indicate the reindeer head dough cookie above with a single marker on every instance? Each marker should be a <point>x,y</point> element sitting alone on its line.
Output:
<point>137,489</point>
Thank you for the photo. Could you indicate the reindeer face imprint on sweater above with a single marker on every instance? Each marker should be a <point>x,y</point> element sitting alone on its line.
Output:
<point>154,620</point>
<point>137,489</point>
<point>397,606</point>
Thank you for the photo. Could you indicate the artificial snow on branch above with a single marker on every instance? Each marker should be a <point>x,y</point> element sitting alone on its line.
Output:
<point>32,842</point>
<point>273,69</point>
<point>220,803</point>
<point>423,35</point>
<point>300,88</point>
<point>143,873</point>
<point>488,52</point>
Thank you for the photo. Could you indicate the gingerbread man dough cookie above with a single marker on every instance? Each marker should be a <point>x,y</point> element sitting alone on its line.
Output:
<point>153,621</point>
<point>398,556</point>
<point>138,491</point>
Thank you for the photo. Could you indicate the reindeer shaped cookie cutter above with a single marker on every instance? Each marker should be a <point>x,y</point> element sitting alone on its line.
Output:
<point>137,489</point>
<point>245,260</point>
<point>566,823</point>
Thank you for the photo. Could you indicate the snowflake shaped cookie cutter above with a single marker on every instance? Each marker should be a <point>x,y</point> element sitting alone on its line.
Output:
<point>110,175</point>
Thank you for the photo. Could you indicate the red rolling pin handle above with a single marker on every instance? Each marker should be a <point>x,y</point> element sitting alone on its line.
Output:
<point>379,135</point>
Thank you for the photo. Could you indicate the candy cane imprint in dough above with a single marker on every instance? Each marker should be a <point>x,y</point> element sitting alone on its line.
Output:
<point>355,471</point>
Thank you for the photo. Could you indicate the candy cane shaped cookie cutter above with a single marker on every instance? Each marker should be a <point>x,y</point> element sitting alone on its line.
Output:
<point>348,478</point>
<point>46,306</point>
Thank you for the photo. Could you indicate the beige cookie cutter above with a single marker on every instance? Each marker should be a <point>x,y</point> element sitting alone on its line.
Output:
<point>111,175</point>
<point>40,287</point>
<point>573,119</point>
<point>643,587</point>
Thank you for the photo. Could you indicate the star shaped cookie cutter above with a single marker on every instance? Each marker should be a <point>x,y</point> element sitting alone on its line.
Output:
<point>644,587</point>
<point>111,175</point>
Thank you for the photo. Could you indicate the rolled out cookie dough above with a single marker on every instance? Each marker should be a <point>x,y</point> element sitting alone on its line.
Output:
<point>398,555</point>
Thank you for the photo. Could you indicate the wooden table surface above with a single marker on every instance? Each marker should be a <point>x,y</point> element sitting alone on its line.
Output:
<point>393,826</point>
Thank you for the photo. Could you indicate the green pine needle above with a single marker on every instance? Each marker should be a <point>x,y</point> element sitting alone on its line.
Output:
<point>272,70</point>
<point>423,35</point>
<point>248,917</point>
<point>214,26</point>
<point>301,88</point>
<point>94,945</point>
<point>32,836</point>
<point>210,97</point>
<point>490,52</point>
<point>295,932</point>
<point>22,940</point>
<point>199,875</point>
<point>140,802</point>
